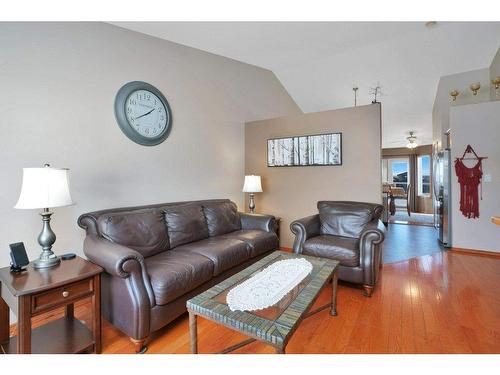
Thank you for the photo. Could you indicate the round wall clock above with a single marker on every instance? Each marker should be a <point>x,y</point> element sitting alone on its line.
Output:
<point>143,113</point>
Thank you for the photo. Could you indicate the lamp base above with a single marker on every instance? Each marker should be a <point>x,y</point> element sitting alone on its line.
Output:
<point>46,239</point>
<point>251,204</point>
<point>46,263</point>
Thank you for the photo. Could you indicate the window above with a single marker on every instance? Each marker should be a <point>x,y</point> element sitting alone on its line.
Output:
<point>398,172</point>
<point>424,175</point>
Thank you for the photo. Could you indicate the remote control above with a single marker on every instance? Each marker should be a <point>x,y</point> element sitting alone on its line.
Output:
<point>68,256</point>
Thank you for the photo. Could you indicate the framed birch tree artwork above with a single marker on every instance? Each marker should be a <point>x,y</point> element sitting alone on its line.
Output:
<point>308,150</point>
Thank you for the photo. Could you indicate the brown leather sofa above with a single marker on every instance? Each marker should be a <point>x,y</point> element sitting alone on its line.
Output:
<point>349,232</point>
<point>157,257</point>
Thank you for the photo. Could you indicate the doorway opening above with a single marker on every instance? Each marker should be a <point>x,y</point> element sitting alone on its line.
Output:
<point>408,182</point>
<point>407,176</point>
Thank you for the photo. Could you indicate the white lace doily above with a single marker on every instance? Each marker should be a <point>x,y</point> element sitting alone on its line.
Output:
<point>269,286</point>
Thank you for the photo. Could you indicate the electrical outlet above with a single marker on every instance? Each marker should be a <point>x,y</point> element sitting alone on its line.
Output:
<point>487,178</point>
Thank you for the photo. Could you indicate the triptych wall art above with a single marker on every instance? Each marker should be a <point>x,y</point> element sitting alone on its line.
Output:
<point>302,151</point>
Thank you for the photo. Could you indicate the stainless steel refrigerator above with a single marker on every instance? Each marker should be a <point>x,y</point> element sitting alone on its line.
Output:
<point>442,195</point>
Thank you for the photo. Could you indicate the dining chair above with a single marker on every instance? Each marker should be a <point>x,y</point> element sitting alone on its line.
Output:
<point>400,193</point>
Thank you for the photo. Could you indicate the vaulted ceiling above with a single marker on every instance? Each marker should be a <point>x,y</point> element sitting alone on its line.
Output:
<point>319,63</point>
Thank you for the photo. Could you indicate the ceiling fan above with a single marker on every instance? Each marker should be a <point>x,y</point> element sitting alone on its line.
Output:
<point>412,141</point>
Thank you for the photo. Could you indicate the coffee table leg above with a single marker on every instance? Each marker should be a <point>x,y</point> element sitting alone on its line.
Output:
<point>193,334</point>
<point>333,310</point>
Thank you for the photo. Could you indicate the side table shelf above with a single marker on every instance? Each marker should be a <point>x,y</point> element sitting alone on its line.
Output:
<point>35,292</point>
<point>65,335</point>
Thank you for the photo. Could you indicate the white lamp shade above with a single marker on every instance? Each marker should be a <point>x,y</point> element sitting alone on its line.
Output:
<point>44,188</point>
<point>252,184</point>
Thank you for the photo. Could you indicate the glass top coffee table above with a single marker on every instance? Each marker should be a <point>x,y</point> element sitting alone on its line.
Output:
<point>273,325</point>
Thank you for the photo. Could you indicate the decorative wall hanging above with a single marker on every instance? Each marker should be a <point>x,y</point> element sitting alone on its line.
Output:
<point>309,150</point>
<point>469,179</point>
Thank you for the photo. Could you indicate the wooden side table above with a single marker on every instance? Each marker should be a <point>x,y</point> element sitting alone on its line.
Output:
<point>34,292</point>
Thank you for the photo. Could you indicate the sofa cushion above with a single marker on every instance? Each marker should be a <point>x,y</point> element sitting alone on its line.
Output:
<point>344,218</point>
<point>174,273</point>
<point>343,249</point>
<point>258,240</point>
<point>222,217</point>
<point>225,253</point>
<point>142,230</point>
<point>185,223</point>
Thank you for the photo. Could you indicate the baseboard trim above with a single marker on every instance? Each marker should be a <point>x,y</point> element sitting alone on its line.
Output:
<point>287,249</point>
<point>481,253</point>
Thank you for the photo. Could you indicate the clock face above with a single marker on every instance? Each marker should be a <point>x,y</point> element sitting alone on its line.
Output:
<point>143,113</point>
<point>146,113</point>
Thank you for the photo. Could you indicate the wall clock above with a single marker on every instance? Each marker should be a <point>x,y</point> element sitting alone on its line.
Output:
<point>143,113</point>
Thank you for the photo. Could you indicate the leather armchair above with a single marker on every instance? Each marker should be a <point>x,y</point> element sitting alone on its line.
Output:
<point>350,232</point>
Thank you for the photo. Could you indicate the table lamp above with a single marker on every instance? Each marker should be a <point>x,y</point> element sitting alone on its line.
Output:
<point>252,185</point>
<point>45,188</point>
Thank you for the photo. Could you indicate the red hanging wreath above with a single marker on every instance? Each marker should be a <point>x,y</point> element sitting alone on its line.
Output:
<point>469,179</point>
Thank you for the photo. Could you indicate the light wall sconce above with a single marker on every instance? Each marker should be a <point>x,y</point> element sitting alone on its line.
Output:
<point>475,88</point>
<point>496,82</point>
<point>454,94</point>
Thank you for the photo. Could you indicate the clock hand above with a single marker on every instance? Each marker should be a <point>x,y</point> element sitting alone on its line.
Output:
<point>147,113</point>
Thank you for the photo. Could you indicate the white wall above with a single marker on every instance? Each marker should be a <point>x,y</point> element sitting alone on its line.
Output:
<point>461,82</point>
<point>495,72</point>
<point>58,84</point>
<point>477,125</point>
<point>293,192</point>
<point>472,120</point>
<point>443,102</point>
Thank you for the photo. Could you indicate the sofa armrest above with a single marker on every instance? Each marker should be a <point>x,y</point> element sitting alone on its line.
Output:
<point>109,255</point>
<point>370,244</point>
<point>303,229</point>
<point>258,221</point>
<point>120,261</point>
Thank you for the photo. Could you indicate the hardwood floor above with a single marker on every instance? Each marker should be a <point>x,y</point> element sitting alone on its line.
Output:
<point>445,302</point>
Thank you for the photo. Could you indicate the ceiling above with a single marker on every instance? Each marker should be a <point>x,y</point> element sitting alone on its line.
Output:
<point>320,62</point>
